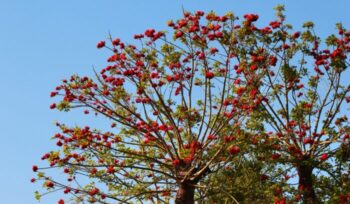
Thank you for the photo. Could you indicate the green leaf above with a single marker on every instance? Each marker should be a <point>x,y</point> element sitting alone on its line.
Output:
<point>37,195</point>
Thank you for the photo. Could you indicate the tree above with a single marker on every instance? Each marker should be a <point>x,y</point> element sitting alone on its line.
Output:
<point>184,109</point>
<point>248,181</point>
<point>303,122</point>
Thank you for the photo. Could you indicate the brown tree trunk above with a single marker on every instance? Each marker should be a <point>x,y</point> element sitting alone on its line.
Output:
<point>185,194</point>
<point>306,185</point>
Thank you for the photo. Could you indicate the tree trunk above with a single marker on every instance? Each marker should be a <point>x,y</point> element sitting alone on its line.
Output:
<point>185,194</point>
<point>306,185</point>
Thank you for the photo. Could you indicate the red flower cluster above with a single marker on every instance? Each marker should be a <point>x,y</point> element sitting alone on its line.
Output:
<point>209,75</point>
<point>101,44</point>
<point>234,150</point>
<point>251,17</point>
<point>275,24</point>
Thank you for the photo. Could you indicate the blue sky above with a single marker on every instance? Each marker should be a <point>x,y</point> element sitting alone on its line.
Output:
<point>44,41</point>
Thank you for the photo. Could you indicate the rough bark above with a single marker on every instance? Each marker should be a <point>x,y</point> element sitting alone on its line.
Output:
<point>306,185</point>
<point>185,193</point>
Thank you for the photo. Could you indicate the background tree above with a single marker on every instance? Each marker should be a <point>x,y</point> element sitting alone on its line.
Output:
<point>248,181</point>
<point>182,109</point>
<point>303,122</point>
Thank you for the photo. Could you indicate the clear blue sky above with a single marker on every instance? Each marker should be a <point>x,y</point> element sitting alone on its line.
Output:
<point>44,41</point>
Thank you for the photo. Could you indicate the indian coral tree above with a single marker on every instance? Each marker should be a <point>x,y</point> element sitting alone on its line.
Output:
<point>303,124</point>
<point>186,107</point>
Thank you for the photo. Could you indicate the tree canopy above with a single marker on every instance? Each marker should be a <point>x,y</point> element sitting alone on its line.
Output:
<point>215,110</point>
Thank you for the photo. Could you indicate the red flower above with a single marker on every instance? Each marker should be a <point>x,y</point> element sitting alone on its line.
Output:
<point>296,35</point>
<point>280,201</point>
<point>212,137</point>
<point>116,41</point>
<point>292,123</point>
<point>275,156</point>
<point>223,18</point>
<point>61,201</point>
<point>308,140</point>
<point>35,168</point>
<point>105,92</point>
<point>199,13</point>
<point>253,93</point>
<point>182,23</point>
<point>150,32</point>
<point>67,190</point>
<point>154,75</point>
<point>194,28</point>
<point>229,138</point>
<point>52,94</point>
<point>176,162</point>
<point>251,17</point>
<point>110,170</point>
<point>53,106</point>
<point>169,78</point>
<point>59,143</point>
<point>213,50</point>
<point>286,46</point>
<point>234,150</point>
<point>219,34</point>
<point>49,184</point>
<point>227,115</point>
<point>188,159</point>
<point>253,67</point>
<point>136,36</point>
<point>237,81</point>
<point>171,24</point>
<point>272,60</point>
<point>275,24</point>
<point>209,75</point>
<point>179,34</point>
<point>157,36</point>
<point>226,102</point>
<point>201,56</point>
<point>101,44</point>
<point>347,99</point>
<point>93,171</point>
<point>240,90</point>
<point>324,157</point>
<point>113,58</point>
<point>211,36</point>
<point>94,191</point>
